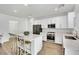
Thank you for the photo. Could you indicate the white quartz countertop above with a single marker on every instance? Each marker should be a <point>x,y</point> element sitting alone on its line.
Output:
<point>30,37</point>
<point>33,36</point>
<point>71,44</point>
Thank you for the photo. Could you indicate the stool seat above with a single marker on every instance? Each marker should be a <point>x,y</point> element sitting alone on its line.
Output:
<point>27,42</point>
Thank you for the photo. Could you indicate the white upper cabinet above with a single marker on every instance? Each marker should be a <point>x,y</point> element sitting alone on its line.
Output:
<point>60,22</point>
<point>71,17</point>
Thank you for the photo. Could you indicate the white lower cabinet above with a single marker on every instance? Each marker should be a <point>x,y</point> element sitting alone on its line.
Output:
<point>36,45</point>
<point>58,38</point>
<point>71,52</point>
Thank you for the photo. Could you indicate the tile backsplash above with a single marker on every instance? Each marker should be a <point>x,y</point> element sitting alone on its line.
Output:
<point>76,33</point>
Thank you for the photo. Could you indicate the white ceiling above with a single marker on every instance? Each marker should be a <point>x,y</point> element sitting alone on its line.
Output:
<point>35,10</point>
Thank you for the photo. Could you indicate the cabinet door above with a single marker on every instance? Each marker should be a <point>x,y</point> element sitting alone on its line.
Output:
<point>58,38</point>
<point>71,17</point>
<point>36,45</point>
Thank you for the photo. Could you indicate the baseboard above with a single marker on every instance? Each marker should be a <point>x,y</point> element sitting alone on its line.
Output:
<point>58,44</point>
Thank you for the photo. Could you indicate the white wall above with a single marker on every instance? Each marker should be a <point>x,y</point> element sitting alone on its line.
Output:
<point>60,21</point>
<point>22,25</point>
<point>6,26</point>
<point>13,26</point>
<point>4,23</point>
<point>25,25</point>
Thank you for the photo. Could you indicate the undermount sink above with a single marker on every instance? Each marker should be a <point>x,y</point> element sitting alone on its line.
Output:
<point>70,37</point>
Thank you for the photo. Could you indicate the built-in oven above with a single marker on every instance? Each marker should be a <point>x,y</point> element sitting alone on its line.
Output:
<point>51,36</point>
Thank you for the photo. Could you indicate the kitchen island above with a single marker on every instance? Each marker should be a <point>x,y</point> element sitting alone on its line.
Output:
<point>35,45</point>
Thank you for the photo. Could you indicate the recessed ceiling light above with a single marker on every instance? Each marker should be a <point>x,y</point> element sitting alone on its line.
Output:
<point>25,4</point>
<point>56,9</point>
<point>15,11</point>
<point>29,16</point>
